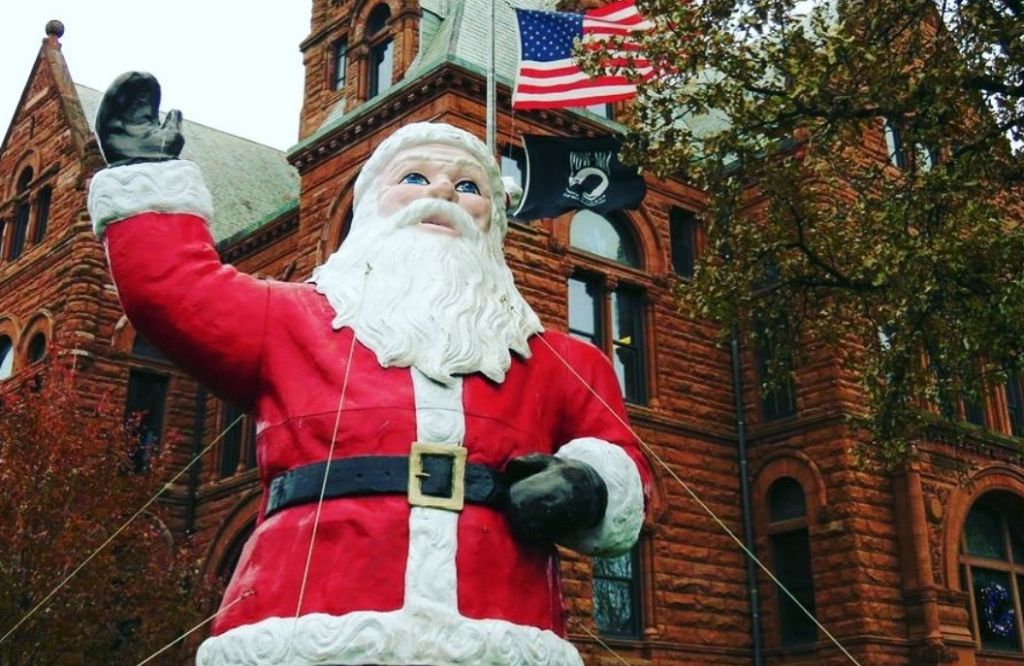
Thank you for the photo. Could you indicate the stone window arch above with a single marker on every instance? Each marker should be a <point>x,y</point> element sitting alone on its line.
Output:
<point>992,568</point>
<point>36,338</point>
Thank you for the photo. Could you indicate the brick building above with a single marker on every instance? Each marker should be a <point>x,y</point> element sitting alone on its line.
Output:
<point>911,567</point>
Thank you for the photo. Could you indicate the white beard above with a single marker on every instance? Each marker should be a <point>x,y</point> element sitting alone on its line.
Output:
<point>445,305</point>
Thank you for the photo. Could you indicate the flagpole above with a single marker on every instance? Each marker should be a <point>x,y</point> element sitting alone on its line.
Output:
<point>492,110</point>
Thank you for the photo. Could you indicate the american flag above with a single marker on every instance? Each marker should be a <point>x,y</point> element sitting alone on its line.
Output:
<point>549,78</point>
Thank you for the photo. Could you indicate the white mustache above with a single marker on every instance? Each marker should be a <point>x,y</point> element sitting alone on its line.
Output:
<point>428,207</point>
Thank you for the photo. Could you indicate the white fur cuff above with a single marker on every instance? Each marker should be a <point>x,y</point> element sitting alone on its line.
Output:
<point>624,516</point>
<point>175,186</point>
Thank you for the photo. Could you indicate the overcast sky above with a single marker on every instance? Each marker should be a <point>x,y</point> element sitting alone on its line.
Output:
<point>230,64</point>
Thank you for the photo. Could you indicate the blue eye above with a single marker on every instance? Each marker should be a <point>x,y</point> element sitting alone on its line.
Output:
<point>414,178</point>
<point>467,186</point>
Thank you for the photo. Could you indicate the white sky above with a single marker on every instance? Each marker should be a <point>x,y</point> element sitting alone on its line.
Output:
<point>231,64</point>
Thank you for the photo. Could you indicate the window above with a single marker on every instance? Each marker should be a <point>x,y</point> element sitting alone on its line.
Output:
<point>144,412</point>
<point>974,411</point>
<point>609,317</point>
<point>143,348</point>
<point>683,232</point>
<point>1015,406</point>
<point>42,213</point>
<point>790,551</point>
<point>37,347</point>
<point>6,357</point>
<point>894,145</point>
<point>606,237</point>
<point>594,312</point>
<point>778,397</point>
<point>339,56</point>
<point>617,600</point>
<point>21,215</point>
<point>602,110</point>
<point>233,553</point>
<point>238,446</point>
<point>381,52</point>
<point>992,559</point>
<point>513,164</point>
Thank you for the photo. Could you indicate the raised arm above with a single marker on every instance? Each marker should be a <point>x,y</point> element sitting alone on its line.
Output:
<point>151,210</point>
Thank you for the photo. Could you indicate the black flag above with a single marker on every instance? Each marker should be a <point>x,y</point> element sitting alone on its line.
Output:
<point>570,173</point>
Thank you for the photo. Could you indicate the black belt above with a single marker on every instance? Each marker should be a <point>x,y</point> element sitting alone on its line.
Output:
<point>435,480</point>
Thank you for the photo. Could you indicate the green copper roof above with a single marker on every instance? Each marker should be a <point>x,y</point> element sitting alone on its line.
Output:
<point>248,181</point>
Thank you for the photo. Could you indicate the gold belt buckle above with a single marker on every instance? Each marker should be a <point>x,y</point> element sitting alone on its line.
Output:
<point>456,499</point>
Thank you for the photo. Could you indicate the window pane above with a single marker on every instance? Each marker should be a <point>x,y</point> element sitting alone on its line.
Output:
<point>37,347</point>
<point>231,444</point>
<point>42,213</point>
<point>144,348</point>
<point>994,609</point>
<point>683,230</point>
<point>791,558</point>
<point>583,311</point>
<point>512,162</point>
<point>1015,406</point>
<point>144,410</point>
<point>894,145</point>
<point>984,533</point>
<point>974,412</point>
<point>381,66</point>
<point>627,343</point>
<point>378,19</point>
<point>617,595</point>
<point>1016,541</point>
<point>250,455</point>
<point>786,500</point>
<point>340,63</point>
<point>598,235</point>
<point>20,231</point>
<point>6,357</point>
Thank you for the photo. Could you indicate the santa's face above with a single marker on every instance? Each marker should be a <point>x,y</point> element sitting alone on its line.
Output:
<point>436,171</point>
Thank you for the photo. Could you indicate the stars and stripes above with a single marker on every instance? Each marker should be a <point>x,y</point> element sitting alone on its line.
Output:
<point>549,78</point>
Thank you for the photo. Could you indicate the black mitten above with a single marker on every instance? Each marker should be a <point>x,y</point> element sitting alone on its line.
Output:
<point>128,122</point>
<point>551,497</point>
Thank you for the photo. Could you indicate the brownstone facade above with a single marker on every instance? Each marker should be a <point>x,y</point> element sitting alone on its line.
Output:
<point>883,559</point>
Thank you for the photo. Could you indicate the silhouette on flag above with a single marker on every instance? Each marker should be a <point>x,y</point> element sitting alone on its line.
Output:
<point>548,77</point>
<point>564,173</point>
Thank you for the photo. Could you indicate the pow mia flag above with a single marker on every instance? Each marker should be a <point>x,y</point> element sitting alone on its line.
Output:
<point>570,173</point>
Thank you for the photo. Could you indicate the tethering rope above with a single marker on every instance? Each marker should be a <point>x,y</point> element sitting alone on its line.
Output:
<point>707,509</point>
<point>341,401</point>
<point>245,595</point>
<point>327,469</point>
<point>165,486</point>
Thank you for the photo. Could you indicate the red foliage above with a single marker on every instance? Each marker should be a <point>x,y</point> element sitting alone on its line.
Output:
<point>68,484</point>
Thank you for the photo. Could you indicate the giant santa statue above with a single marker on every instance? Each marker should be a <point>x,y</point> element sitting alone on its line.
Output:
<point>459,440</point>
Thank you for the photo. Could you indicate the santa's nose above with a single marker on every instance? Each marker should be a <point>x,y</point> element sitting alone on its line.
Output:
<point>442,188</point>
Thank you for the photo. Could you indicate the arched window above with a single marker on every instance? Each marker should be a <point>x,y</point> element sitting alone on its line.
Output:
<point>6,357</point>
<point>992,560</point>
<point>37,347</point>
<point>233,553</point>
<point>21,215</point>
<point>610,315</point>
<point>790,550</point>
<point>382,50</point>
<point>608,238</point>
<point>43,201</point>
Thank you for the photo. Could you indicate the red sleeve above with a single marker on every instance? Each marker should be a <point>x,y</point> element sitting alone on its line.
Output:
<point>593,403</point>
<point>207,317</point>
